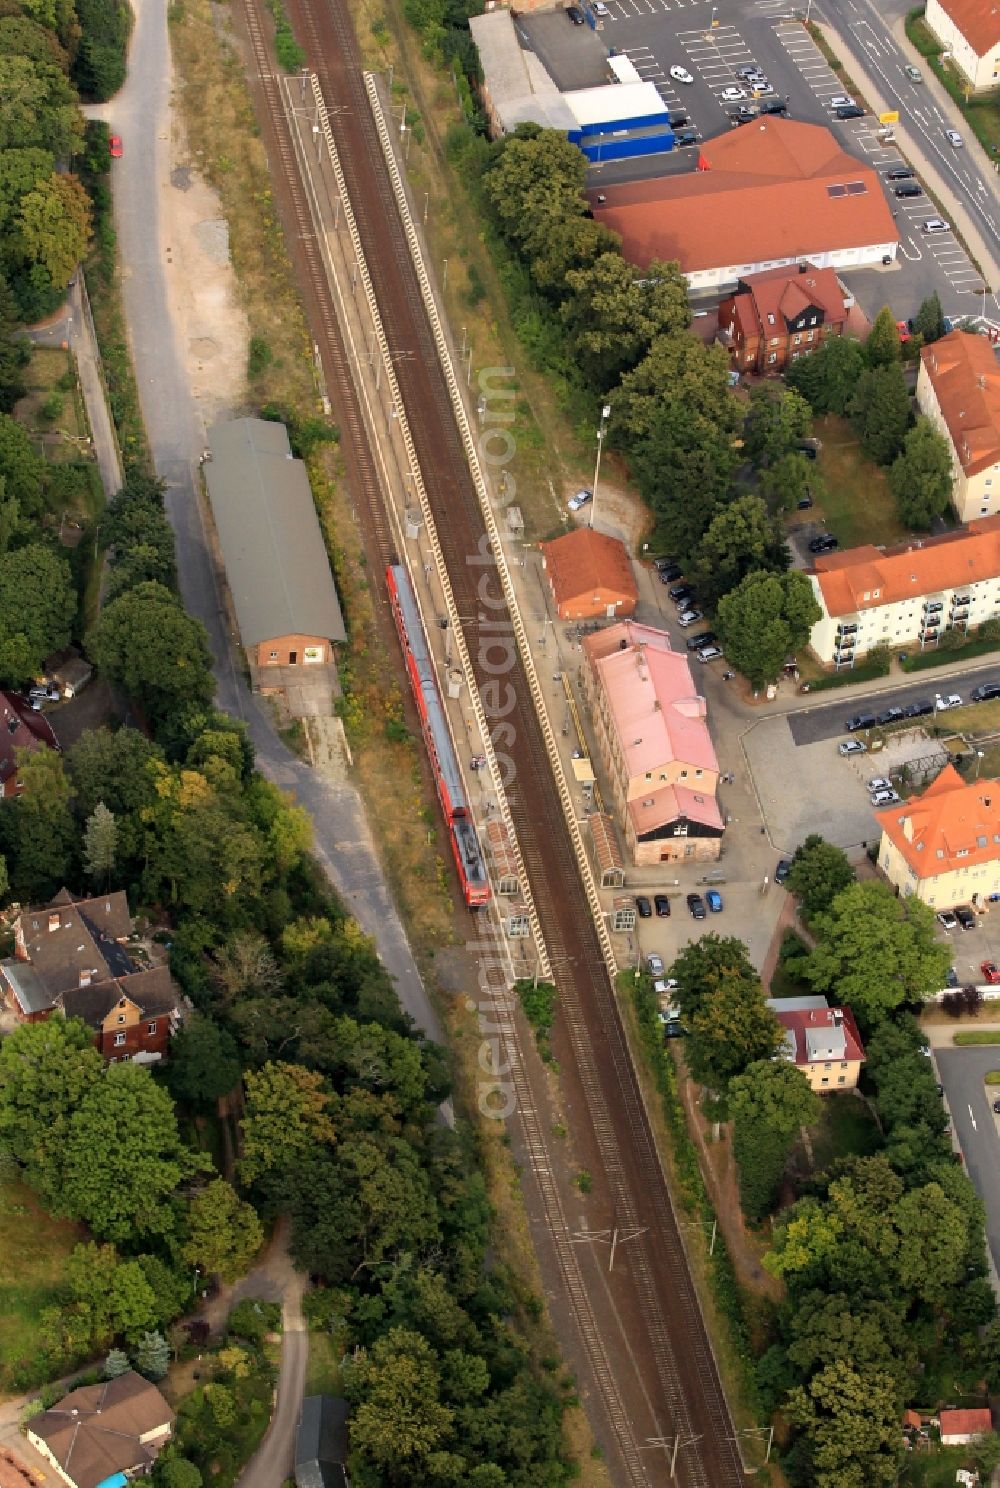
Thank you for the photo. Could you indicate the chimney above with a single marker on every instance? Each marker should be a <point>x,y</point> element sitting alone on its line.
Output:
<point>86,977</point>
<point>54,920</point>
<point>838,1017</point>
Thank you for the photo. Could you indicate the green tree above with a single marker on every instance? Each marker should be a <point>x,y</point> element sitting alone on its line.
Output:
<point>928,323</point>
<point>819,872</point>
<point>204,1062</point>
<point>921,476</point>
<point>176,1472</point>
<point>703,963</point>
<point>615,312</point>
<point>13,352</point>
<point>38,830</point>
<point>116,1363</point>
<point>124,1189</point>
<point>20,172</point>
<point>732,1027</point>
<point>881,412</point>
<point>769,1102</point>
<point>934,1243</point>
<point>850,1419</point>
<point>146,641</point>
<point>53,227</point>
<point>37,608</point>
<point>398,1418</point>
<point>684,466</point>
<point>116,1293</point>
<point>776,422</point>
<point>38,107</point>
<point>883,347</point>
<point>875,951</point>
<point>21,466</point>
<point>100,843</point>
<point>224,1233</point>
<point>788,481</point>
<point>679,369</point>
<point>286,1114</point>
<point>152,1356</point>
<point>741,539</point>
<point>46,1071</point>
<point>863,1332</point>
<point>764,620</point>
<point>828,378</point>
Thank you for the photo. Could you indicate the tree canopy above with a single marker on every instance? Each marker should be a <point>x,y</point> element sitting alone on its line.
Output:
<point>766,619</point>
<point>921,476</point>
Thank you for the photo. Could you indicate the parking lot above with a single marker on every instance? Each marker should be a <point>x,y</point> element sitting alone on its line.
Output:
<point>657,35</point>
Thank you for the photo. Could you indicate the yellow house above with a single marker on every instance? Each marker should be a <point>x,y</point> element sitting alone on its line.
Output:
<point>958,389</point>
<point>970,29</point>
<point>944,846</point>
<point>822,1041</point>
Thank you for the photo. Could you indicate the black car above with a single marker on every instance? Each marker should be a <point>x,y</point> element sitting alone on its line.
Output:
<point>686,137</point>
<point>696,906</point>
<point>965,917</point>
<point>809,450</point>
<point>919,709</point>
<point>672,574</point>
<point>860,721</point>
<point>996,1103</point>
<point>985,691</point>
<point>742,115</point>
<point>703,638</point>
<point>679,117</point>
<point>661,563</point>
<point>850,111</point>
<point>774,106</point>
<point>900,173</point>
<point>680,591</point>
<point>662,906</point>
<point>891,715</point>
<point>804,502</point>
<point>674,1030</point>
<point>908,189</point>
<point>782,871</point>
<point>823,544</point>
<point>575,14</point>
<point>644,907</point>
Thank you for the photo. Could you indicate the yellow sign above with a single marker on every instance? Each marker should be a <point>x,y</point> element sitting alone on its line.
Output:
<point>892,117</point>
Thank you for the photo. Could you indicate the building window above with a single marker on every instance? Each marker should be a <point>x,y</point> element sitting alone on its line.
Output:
<point>119,1040</point>
<point>151,1029</point>
<point>121,1017</point>
<point>795,340</point>
<point>825,1080</point>
<point>773,357</point>
<point>841,1079</point>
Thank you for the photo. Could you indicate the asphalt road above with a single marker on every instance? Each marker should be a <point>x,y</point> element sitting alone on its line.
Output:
<point>978,1131</point>
<point>826,720</point>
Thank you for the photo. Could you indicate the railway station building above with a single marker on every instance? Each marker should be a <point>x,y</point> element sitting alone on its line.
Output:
<point>590,575</point>
<point>653,741</point>
<point>272,547</point>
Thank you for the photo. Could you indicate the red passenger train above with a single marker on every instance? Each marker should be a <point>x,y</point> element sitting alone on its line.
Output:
<point>465,843</point>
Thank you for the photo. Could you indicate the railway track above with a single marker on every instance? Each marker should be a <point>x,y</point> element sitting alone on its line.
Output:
<point>670,1395</point>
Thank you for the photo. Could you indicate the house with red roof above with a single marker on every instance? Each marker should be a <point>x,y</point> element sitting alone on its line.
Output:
<point>590,575</point>
<point>944,846</point>
<point>776,317</point>
<point>961,1426</point>
<point>772,193</point>
<point>911,594</point>
<point>22,731</point>
<point>970,29</point>
<point>653,741</point>
<point>958,389</point>
<point>823,1042</point>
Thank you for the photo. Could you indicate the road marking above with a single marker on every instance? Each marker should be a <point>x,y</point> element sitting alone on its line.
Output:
<point>973,1120</point>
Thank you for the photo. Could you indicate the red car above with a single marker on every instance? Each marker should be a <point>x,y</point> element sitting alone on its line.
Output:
<point>904,331</point>
<point>116,147</point>
<point>991,973</point>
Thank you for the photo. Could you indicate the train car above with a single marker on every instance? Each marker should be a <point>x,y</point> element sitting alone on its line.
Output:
<point>420,667</point>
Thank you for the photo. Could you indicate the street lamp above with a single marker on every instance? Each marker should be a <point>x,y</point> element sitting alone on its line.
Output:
<point>605,415</point>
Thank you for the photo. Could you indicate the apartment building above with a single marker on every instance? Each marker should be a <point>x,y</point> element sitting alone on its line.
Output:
<point>654,744</point>
<point>944,845</point>
<point>907,595</point>
<point>970,29</point>
<point>958,388</point>
<point>774,318</point>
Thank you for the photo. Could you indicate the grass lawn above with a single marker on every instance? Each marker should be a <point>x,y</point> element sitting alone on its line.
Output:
<point>858,505</point>
<point>33,1248</point>
<point>323,1375</point>
<point>50,374</point>
<point>934,1469</point>
<point>845,1129</point>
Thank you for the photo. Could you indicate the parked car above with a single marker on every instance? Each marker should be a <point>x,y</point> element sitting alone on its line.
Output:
<point>996,1106</point>
<point>742,115</point>
<point>710,653</point>
<point>851,111</point>
<point>884,797</point>
<point>644,907</point>
<point>674,1030</point>
<point>115,146</point>
<point>905,333</point>
<point>732,95</point>
<point>681,75</point>
<point>672,574</point>
<point>714,901</point>
<point>860,721</point>
<point>804,502</point>
<point>654,964</point>
<point>823,544</point>
<point>900,173</point>
<point>946,918</point>
<point>782,871</point>
<point>891,715</point>
<point>951,977</point>
<point>752,70</point>
<point>935,225</point>
<point>680,591</point>
<point>991,972</point>
<point>879,783</point>
<point>678,117</point>
<point>954,138</point>
<point>696,906</point>
<point>689,617</point>
<point>943,702</point>
<point>984,691</point>
<point>662,906</point>
<point>840,100</point>
<point>600,9</point>
<point>774,106</point>
<point>965,917</point>
<point>580,499</point>
<point>852,746</point>
<point>684,137</point>
<point>908,190</point>
<point>47,694</point>
<point>913,73</point>
<point>575,14</point>
<point>703,638</point>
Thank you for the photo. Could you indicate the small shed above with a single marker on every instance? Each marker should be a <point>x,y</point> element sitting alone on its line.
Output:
<point>607,852</point>
<point>321,1443</point>
<point>591,575</point>
<point>68,671</point>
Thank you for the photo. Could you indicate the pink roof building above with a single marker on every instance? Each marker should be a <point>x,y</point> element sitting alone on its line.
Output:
<point>654,743</point>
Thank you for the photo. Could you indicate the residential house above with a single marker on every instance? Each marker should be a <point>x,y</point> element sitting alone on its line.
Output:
<point>272,546</point>
<point>970,30</point>
<point>321,1443</point>
<point>68,670</point>
<point>775,317</point>
<point>653,740</point>
<point>71,957</point>
<point>943,846</point>
<point>590,574</point>
<point>958,388</point>
<point>21,728</point>
<point>906,595</point>
<point>774,193</point>
<point>101,1435</point>
<point>822,1041</point>
<point>961,1426</point>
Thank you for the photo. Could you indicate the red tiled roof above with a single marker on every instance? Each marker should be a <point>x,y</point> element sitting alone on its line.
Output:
<point>584,563</point>
<point>965,1422</point>
<point>764,196</point>
<point>978,21</point>
<point>20,728</point>
<point>950,561</point>
<point>670,803</point>
<point>821,1022</point>
<point>952,825</point>
<point>963,371</point>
